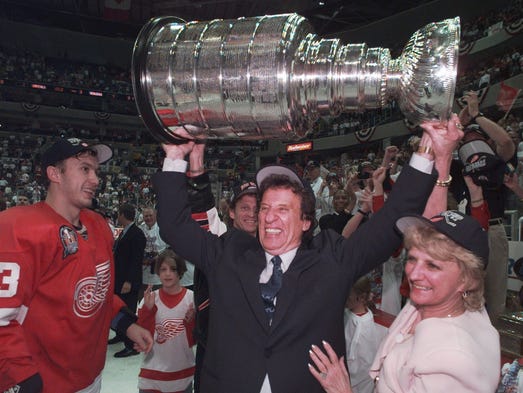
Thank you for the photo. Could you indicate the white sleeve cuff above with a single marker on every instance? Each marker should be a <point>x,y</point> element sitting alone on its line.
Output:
<point>170,165</point>
<point>421,163</point>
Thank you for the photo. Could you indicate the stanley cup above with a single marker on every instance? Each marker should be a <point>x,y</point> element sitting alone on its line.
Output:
<point>272,77</point>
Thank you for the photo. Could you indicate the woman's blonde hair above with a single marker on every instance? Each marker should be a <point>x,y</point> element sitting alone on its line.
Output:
<point>442,248</point>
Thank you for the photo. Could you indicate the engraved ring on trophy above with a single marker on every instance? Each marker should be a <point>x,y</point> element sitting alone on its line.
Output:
<point>271,77</point>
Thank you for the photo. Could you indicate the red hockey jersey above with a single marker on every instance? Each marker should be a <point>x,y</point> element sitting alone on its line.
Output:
<point>56,297</point>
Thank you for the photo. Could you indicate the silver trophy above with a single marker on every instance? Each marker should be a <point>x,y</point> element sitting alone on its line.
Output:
<point>272,77</point>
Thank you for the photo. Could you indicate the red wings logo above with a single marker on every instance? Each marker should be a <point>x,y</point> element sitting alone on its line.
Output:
<point>169,328</point>
<point>90,292</point>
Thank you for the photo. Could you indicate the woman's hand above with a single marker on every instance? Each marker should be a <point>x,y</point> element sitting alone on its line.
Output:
<point>330,371</point>
<point>444,139</point>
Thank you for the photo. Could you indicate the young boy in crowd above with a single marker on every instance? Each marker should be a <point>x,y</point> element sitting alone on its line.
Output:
<point>168,313</point>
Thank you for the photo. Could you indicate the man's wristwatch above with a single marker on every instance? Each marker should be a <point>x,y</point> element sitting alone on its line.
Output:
<point>478,115</point>
<point>364,214</point>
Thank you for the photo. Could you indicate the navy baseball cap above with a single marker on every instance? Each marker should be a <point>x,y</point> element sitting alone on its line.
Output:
<point>461,228</point>
<point>244,189</point>
<point>65,148</point>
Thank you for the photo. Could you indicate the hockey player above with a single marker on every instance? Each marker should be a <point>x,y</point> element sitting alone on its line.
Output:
<point>56,281</point>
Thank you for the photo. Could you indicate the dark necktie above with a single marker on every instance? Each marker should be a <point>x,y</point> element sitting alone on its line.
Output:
<point>270,289</point>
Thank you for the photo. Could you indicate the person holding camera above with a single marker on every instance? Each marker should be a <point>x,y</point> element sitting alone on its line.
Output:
<point>487,154</point>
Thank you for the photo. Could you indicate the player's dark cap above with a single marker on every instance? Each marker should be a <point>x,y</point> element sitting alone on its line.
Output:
<point>313,164</point>
<point>65,148</point>
<point>244,189</point>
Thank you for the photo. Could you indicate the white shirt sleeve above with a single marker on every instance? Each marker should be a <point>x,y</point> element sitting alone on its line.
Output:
<point>421,163</point>
<point>177,165</point>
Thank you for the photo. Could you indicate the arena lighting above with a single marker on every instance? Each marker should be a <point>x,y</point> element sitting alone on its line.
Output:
<point>296,147</point>
<point>62,89</point>
<point>271,77</point>
<point>38,86</point>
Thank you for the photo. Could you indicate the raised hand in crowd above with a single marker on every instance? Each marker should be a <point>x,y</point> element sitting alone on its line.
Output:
<point>471,110</point>
<point>440,140</point>
<point>475,192</point>
<point>364,209</point>
<point>352,181</point>
<point>189,316</point>
<point>149,297</point>
<point>478,206</point>
<point>511,181</point>
<point>378,177</point>
<point>389,156</point>
<point>365,202</point>
<point>470,114</point>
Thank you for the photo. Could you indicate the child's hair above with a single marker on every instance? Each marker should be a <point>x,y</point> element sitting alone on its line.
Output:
<point>174,261</point>
<point>362,290</point>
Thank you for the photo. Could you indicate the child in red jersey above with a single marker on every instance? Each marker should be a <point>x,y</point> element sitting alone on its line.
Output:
<point>168,313</point>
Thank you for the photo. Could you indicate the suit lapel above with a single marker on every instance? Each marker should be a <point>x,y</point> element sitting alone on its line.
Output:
<point>249,272</point>
<point>122,238</point>
<point>286,296</point>
<point>252,266</point>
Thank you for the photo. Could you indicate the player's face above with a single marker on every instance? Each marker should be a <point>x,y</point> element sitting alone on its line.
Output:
<point>281,224</point>
<point>79,180</point>
<point>245,214</point>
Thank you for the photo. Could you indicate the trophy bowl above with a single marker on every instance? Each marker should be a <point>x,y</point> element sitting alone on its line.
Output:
<point>272,77</point>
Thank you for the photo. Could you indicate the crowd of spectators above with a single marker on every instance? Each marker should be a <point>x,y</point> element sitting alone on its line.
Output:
<point>127,177</point>
<point>25,65</point>
<point>478,28</point>
<point>485,73</point>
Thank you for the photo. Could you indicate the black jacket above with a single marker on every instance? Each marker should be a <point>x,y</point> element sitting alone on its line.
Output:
<point>128,259</point>
<point>242,348</point>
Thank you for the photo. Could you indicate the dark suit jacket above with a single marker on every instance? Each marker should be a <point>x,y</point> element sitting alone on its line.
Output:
<point>334,221</point>
<point>242,348</point>
<point>128,258</point>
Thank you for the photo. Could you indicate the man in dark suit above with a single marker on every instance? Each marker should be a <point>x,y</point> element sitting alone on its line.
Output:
<point>276,295</point>
<point>128,256</point>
